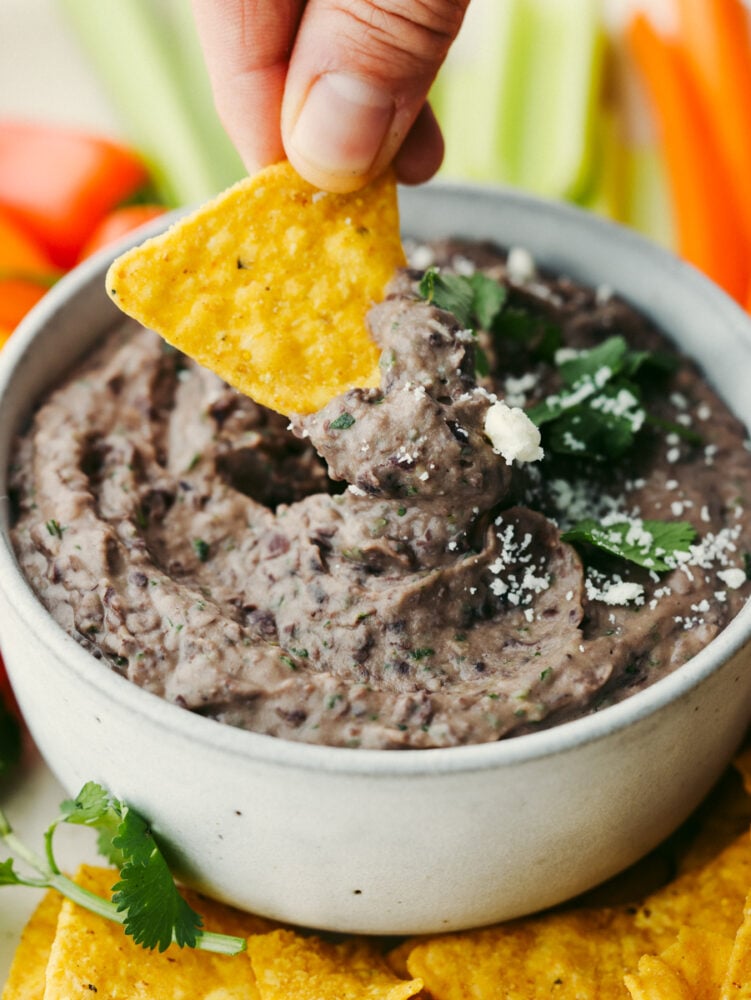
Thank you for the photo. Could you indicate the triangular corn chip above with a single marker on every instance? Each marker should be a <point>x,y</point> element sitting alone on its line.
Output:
<point>269,285</point>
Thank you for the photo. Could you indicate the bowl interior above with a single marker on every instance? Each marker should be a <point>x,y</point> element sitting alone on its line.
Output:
<point>708,325</point>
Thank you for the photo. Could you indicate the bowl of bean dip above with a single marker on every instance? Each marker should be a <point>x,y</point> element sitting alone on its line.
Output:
<point>445,652</point>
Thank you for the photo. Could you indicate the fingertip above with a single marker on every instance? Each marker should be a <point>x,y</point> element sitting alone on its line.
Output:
<point>335,137</point>
<point>421,154</point>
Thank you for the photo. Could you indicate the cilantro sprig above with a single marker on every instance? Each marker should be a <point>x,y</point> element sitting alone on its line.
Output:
<point>599,410</point>
<point>145,899</point>
<point>655,545</point>
<point>475,300</point>
<point>481,303</point>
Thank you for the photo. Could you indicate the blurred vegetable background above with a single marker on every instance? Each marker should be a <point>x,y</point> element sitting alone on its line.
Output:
<point>639,110</point>
<point>636,109</point>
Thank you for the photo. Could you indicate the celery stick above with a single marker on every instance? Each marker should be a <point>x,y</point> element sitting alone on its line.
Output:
<point>226,163</point>
<point>607,191</point>
<point>648,207</point>
<point>470,90</point>
<point>131,45</point>
<point>519,95</point>
<point>548,127</point>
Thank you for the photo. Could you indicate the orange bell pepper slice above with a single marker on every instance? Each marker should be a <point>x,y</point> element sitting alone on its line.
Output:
<point>59,183</point>
<point>709,230</point>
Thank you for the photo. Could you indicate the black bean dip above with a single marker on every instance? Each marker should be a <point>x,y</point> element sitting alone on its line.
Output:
<point>376,574</point>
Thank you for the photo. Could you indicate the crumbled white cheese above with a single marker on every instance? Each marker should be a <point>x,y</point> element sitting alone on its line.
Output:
<point>617,592</point>
<point>512,433</point>
<point>733,578</point>
<point>520,265</point>
<point>422,257</point>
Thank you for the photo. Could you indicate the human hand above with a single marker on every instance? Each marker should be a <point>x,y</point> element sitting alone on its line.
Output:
<point>339,87</point>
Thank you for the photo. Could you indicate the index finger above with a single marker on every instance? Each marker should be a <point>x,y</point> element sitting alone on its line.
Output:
<point>247,44</point>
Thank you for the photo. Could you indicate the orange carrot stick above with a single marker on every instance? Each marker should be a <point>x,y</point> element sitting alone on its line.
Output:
<point>716,40</point>
<point>710,233</point>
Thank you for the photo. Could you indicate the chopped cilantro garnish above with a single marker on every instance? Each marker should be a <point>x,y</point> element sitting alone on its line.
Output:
<point>541,336</point>
<point>201,549</point>
<point>146,900</point>
<point>421,653</point>
<point>343,422</point>
<point>475,300</point>
<point>599,410</point>
<point>652,544</point>
<point>489,299</point>
<point>54,528</point>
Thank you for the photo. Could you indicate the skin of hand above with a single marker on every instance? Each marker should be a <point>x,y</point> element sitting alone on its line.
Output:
<point>339,87</point>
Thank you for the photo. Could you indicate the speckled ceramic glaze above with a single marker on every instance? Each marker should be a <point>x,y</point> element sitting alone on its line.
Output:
<point>393,841</point>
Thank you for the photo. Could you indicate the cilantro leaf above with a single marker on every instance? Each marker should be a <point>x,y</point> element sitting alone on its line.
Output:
<point>94,806</point>
<point>596,365</point>
<point>8,874</point>
<point>475,300</point>
<point>599,411</point>
<point>155,912</point>
<point>651,544</point>
<point>451,292</point>
<point>489,299</point>
<point>89,807</point>
<point>535,331</point>
<point>146,900</point>
<point>343,422</point>
<point>603,427</point>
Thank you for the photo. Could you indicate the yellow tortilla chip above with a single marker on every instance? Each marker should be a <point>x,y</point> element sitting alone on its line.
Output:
<point>737,982</point>
<point>27,973</point>
<point>693,968</point>
<point>711,897</point>
<point>93,956</point>
<point>288,965</point>
<point>586,953</point>
<point>569,956</point>
<point>269,285</point>
<point>656,980</point>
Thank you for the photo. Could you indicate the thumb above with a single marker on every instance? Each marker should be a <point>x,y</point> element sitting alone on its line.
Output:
<point>357,83</point>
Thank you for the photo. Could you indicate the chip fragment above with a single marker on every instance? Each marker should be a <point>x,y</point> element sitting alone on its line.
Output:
<point>27,973</point>
<point>737,982</point>
<point>269,285</point>
<point>289,965</point>
<point>691,968</point>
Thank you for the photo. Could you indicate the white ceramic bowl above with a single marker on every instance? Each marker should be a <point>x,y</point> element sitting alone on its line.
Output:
<point>393,841</point>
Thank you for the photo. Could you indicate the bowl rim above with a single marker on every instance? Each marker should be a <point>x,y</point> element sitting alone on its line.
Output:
<point>269,750</point>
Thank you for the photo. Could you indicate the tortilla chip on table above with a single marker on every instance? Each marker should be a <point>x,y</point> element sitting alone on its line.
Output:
<point>26,978</point>
<point>92,956</point>
<point>289,965</point>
